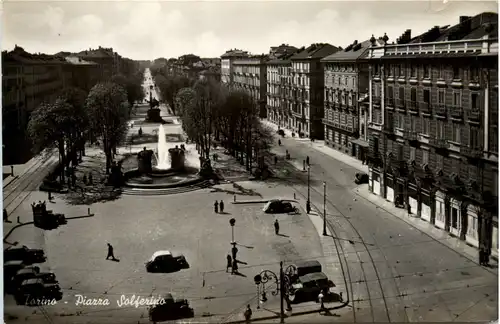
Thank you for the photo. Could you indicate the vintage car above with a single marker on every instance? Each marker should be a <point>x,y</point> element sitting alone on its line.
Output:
<point>30,273</point>
<point>361,178</point>
<point>25,254</point>
<point>307,288</point>
<point>305,267</point>
<point>277,206</point>
<point>165,261</point>
<point>32,291</point>
<point>170,310</point>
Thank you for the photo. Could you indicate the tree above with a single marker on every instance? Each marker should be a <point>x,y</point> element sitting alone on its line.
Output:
<point>76,97</point>
<point>132,86</point>
<point>51,125</point>
<point>107,107</point>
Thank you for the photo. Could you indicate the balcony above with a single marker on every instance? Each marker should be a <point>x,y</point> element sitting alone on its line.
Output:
<point>375,159</point>
<point>440,144</point>
<point>425,108</point>
<point>474,116</point>
<point>457,112</point>
<point>441,111</point>
<point>401,105</point>
<point>389,128</point>
<point>376,100</point>
<point>413,107</point>
<point>472,153</point>
<point>389,103</point>
<point>412,137</point>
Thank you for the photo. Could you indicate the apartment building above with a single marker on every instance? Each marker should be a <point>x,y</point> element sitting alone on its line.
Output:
<point>27,80</point>
<point>279,89</point>
<point>83,74</point>
<point>433,127</point>
<point>308,89</point>
<point>346,84</point>
<point>227,60</point>
<point>249,74</point>
<point>276,52</point>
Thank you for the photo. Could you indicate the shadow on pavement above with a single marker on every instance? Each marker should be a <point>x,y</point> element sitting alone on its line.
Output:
<point>239,190</point>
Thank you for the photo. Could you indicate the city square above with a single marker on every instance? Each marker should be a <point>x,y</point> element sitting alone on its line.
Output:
<point>310,184</point>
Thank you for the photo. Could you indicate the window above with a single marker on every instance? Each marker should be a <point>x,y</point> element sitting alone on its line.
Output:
<point>441,71</point>
<point>439,161</point>
<point>402,70</point>
<point>474,139</point>
<point>391,70</point>
<point>425,126</point>
<point>412,153</point>
<point>425,157</point>
<point>474,74</point>
<point>401,121</point>
<point>454,218</point>
<point>377,69</point>
<point>401,151</point>
<point>413,124</point>
<point>390,92</point>
<point>396,70</point>
<point>457,99</point>
<point>474,104</point>
<point>456,73</point>
<point>401,93</point>
<point>427,96</point>
<point>427,71</point>
<point>375,144</point>
<point>441,130</point>
<point>413,94</point>
<point>441,97</point>
<point>455,133</point>
<point>413,71</point>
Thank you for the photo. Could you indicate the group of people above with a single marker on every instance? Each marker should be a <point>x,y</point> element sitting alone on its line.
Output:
<point>219,205</point>
<point>232,262</point>
<point>88,180</point>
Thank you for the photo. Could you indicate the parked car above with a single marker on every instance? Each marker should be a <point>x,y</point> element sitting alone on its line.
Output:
<point>165,261</point>
<point>277,206</point>
<point>170,310</point>
<point>361,178</point>
<point>303,268</point>
<point>308,287</point>
<point>32,290</point>
<point>30,273</point>
<point>25,254</point>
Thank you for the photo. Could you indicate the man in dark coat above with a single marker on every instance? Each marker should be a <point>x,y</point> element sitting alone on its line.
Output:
<point>234,268</point>
<point>221,205</point>
<point>234,251</point>
<point>216,206</point>
<point>110,253</point>
<point>229,262</point>
<point>276,227</point>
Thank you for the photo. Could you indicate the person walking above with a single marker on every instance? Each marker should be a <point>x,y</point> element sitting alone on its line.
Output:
<point>279,142</point>
<point>221,205</point>
<point>321,297</point>
<point>248,314</point>
<point>234,251</point>
<point>229,262</point>
<point>216,207</point>
<point>110,253</point>
<point>276,227</point>
<point>6,216</point>
<point>90,178</point>
<point>275,160</point>
<point>234,268</point>
<point>307,160</point>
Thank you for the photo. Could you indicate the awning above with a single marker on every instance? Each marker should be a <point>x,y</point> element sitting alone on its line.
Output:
<point>360,142</point>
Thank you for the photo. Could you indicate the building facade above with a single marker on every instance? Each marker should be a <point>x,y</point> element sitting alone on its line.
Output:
<point>250,74</point>
<point>27,81</point>
<point>346,84</point>
<point>276,52</point>
<point>279,89</point>
<point>308,90</point>
<point>433,127</point>
<point>227,59</point>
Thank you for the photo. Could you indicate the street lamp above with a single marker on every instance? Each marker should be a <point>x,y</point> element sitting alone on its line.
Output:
<point>308,204</point>
<point>282,285</point>
<point>324,209</point>
<point>232,221</point>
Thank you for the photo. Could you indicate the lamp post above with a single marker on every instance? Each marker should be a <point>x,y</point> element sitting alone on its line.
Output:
<point>232,221</point>
<point>324,209</point>
<point>308,204</point>
<point>282,285</point>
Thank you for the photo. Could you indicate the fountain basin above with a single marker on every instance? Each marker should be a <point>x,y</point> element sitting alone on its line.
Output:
<point>162,178</point>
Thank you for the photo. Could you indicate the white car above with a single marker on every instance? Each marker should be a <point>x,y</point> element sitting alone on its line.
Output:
<point>165,261</point>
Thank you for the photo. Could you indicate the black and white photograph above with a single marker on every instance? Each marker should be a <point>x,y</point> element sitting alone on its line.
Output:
<point>258,161</point>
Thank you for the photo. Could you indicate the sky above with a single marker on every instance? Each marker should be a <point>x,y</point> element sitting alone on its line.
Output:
<point>146,30</point>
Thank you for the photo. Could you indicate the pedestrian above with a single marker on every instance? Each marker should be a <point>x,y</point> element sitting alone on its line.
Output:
<point>275,159</point>
<point>234,251</point>
<point>140,131</point>
<point>229,262</point>
<point>276,227</point>
<point>216,207</point>
<point>307,160</point>
<point>234,268</point>
<point>279,142</point>
<point>84,179</point>
<point>248,314</point>
<point>110,253</point>
<point>221,205</point>
<point>90,178</point>
<point>5,216</point>
<point>321,301</point>
<point>49,193</point>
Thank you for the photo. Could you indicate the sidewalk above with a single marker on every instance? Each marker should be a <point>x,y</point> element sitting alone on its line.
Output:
<point>433,232</point>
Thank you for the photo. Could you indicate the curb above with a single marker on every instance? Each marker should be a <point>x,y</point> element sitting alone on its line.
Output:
<point>266,318</point>
<point>15,227</point>
<point>249,202</point>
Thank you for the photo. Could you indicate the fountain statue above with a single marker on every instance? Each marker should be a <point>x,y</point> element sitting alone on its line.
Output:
<point>144,161</point>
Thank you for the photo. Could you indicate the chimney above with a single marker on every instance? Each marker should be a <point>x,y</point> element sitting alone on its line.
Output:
<point>463,19</point>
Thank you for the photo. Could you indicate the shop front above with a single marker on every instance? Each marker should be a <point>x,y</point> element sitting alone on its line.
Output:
<point>472,234</point>
<point>494,238</point>
<point>376,182</point>
<point>426,203</point>
<point>389,187</point>
<point>455,218</point>
<point>440,203</point>
<point>413,198</point>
